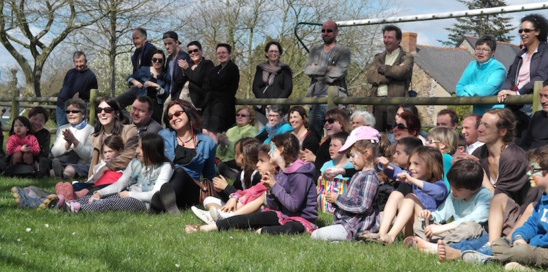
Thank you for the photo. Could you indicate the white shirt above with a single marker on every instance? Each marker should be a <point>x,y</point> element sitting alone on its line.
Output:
<point>470,149</point>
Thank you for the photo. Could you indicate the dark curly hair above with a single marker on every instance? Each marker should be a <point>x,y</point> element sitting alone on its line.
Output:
<point>540,24</point>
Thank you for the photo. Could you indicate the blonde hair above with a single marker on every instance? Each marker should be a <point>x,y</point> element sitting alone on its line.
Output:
<point>250,111</point>
<point>446,136</point>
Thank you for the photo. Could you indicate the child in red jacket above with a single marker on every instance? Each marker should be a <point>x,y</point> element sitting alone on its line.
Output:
<point>22,146</point>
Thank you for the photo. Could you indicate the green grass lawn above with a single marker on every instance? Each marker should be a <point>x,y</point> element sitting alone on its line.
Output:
<point>32,240</point>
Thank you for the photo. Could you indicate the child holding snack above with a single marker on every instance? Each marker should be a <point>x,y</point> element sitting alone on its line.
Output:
<point>356,210</point>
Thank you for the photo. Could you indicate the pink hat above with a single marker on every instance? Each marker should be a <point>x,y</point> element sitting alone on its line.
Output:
<point>361,133</point>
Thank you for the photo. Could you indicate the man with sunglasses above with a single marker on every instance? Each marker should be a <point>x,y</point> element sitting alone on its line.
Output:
<point>171,42</point>
<point>390,74</point>
<point>326,66</point>
<point>77,84</point>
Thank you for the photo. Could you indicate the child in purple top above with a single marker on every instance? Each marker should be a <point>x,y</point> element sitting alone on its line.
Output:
<point>357,210</point>
<point>291,196</point>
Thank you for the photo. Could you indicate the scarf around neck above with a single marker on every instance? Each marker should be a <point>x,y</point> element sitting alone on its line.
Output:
<point>269,72</point>
<point>81,125</point>
<point>271,130</point>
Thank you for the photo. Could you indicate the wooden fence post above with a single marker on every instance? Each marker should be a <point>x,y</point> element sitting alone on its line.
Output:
<point>92,106</point>
<point>14,110</point>
<point>330,95</point>
<point>536,97</point>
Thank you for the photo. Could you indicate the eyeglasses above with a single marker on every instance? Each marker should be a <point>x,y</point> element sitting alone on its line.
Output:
<point>485,50</point>
<point>273,116</point>
<point>176,114</point>
<point>532,169</point>
<point>328,120</point>
<point>399,126</point>
<point>106,109</point>
<point>242,115</point>
<point>157,60</point>
<point>430,141</point>
<point>526,30</point>
<point>327,30</point>
<point>72,111</point>
<point>193,51</point>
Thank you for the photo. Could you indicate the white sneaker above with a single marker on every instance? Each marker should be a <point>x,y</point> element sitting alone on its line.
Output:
<point>203,215</point>
<point>514,266</point>
<point>215,214</point>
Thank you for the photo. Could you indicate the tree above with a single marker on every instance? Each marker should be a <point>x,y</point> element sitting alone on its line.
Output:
<point>493,24</point>
<point>111,36</point>
<point>39,26</point>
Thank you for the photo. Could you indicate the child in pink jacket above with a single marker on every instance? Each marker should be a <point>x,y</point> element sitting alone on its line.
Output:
<point>22,146</point>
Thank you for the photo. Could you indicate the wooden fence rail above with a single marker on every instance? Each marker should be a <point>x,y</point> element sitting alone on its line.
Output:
<point>15,101</point>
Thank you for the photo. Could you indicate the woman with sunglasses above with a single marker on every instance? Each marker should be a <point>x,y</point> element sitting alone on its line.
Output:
<point>245,127</point>
<point>192,153</point>
<point>273,79</point>
<point>153,81</point>
<point>71,150</point>
<point>220,87</point>
<point>276,124</point>
<point>110,122</point>
<point>531,63</point>
<point>189,84</point>
<point>407,125</point>
<point>335,120</point>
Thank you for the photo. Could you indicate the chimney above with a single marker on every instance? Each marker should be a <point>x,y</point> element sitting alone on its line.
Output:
<point>409,41</point>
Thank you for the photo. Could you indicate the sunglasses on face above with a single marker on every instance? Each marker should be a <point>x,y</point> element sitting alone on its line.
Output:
<point>72,111</point>
<point>193,51</point>
<point>328,120</point>
<point>157,60</point>
<point>242,115</point>
<point>176,114</point>
<point>399,126</point>
<point>526,30</point>
<point>106,109</point>
<point>327,30</point>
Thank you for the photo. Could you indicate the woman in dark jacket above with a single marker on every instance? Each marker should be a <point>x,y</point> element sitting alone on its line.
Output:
<point>189,83</point>
<point>521,78</point>
<point>220,87</point>
<point>273,78</point>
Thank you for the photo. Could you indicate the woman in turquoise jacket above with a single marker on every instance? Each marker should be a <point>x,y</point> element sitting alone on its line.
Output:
<point>483,76</point>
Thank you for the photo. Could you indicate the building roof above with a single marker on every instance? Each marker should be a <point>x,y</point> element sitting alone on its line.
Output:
<point>505,53</point>
<point>443,64</point>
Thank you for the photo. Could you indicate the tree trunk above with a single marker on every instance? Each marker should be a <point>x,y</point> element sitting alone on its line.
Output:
<point>112,51</point>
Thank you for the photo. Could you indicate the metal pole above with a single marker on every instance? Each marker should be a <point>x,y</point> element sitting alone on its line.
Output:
<point>431,16</point>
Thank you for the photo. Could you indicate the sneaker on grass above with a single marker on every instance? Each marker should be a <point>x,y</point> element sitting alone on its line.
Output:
<point>472,256</point>
<point>23,200</point>
<point>203,215</point>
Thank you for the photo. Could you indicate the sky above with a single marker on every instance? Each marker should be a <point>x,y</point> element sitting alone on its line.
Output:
<point>428,32</point>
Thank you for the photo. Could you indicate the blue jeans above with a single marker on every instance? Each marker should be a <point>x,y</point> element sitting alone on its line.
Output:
<point>472,244</point>
<point>60,116</point>
<point>315,118</point>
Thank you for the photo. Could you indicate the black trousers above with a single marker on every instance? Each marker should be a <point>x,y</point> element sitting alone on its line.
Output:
<point>268,221</point>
